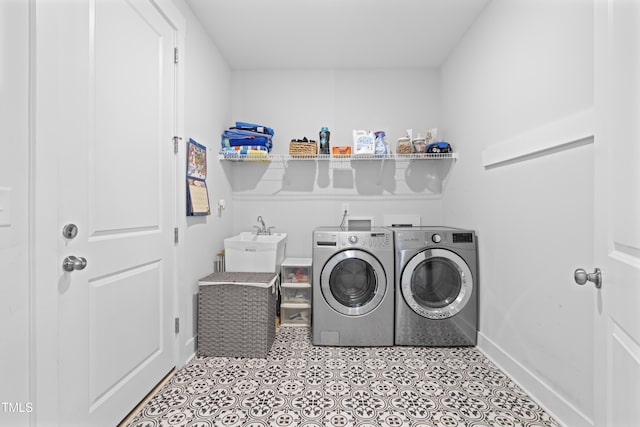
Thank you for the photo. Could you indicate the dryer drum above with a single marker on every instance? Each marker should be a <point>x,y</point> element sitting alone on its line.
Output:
<point>436,284</point>
<point>353,282</point>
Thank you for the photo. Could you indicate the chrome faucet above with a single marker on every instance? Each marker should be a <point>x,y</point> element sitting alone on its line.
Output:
<point>262,228</point>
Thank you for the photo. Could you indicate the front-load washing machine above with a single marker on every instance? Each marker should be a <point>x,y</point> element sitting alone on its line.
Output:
<point>353,274</point>
<point>436,286</point>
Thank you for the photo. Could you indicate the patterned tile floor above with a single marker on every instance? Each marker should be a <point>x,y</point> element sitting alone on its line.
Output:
<point>299,384</point>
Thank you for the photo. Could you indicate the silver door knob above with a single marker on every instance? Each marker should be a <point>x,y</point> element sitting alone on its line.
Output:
<point>581,277</point>
<point>71,263</point>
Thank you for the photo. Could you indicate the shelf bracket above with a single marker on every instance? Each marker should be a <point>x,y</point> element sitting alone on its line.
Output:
<point>287,181</point>
<point>379,182</point>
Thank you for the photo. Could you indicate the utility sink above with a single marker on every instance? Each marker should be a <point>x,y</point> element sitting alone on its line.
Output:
<point>251,252</point>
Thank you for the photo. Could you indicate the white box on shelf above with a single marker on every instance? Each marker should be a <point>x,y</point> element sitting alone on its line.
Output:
<point>296,293</point>
<point>295,314</point>
<point>296,270</point>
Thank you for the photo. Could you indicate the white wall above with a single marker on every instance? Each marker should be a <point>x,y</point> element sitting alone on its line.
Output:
<point>207,82</point>
<point>298,196</point>
<point>14,213</point>
<point>523,65</point>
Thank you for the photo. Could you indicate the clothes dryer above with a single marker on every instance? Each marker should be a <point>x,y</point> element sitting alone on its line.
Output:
<point>353,287</point>
<point>436,286</point>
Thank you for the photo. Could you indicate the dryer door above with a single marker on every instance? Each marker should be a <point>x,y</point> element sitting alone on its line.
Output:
<point>436,283</point>
<point>353,282</point>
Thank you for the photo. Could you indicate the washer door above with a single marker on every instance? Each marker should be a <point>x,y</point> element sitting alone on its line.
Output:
<point>353,282</point>
<point>436,283</point>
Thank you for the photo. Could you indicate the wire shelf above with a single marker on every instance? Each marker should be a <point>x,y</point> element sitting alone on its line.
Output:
<point>269,157</point>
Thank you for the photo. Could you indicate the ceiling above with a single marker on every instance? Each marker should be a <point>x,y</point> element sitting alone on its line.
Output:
<point>276,34</point>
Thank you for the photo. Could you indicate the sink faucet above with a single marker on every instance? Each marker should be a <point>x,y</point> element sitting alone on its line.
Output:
<point>262,229</point>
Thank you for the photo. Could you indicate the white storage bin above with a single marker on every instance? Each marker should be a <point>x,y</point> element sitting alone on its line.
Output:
<point>296,293</point>
<point>295,314</point>
<point>296,270</point>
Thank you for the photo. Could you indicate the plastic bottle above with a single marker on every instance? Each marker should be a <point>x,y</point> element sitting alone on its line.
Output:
<point>324,140</point>
<point>381,144</point>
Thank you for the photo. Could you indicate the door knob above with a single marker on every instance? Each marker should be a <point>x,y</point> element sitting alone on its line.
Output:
<point>581,277</point>
<point>71,263</point>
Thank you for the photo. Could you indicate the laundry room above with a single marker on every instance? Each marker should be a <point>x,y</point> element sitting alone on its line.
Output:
<point>518,70</point>
<point>514,87</point>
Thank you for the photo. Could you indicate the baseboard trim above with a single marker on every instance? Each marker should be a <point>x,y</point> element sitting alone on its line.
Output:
<point>560,409</point>
<point>131,415</point>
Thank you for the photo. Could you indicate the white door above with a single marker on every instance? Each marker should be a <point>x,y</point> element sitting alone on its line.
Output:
<point>105,90</point>
<point>617,213</point>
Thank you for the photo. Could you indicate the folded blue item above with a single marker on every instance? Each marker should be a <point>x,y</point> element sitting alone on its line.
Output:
<point>231,152</point>
<point>247,134</point>
<point>243,133</point>
<point>239,148</point>
<point>247,140</point>
<point>254,127</point>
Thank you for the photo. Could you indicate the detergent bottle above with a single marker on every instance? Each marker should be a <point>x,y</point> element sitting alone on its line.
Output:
<point>324,140</point>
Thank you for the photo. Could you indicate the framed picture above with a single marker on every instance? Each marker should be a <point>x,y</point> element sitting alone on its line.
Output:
<point>197,192</point>
<point>196,160</point>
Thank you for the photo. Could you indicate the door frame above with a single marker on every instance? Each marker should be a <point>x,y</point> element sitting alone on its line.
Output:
<point>44,234</point>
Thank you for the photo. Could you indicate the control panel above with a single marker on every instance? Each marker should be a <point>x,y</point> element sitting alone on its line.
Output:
<point>366,240</point>
<point>462,237</point>
<point>354,239</point>
<point>414,239</point>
